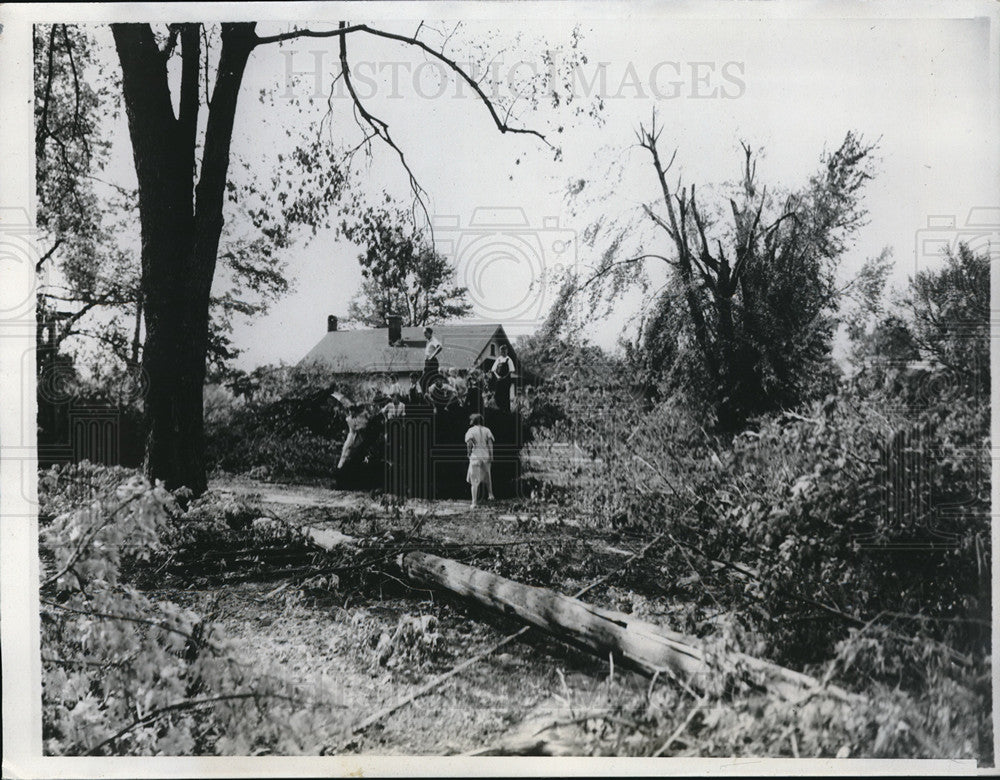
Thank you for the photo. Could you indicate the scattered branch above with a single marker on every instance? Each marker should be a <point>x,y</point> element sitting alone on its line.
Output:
<point>182,705</point>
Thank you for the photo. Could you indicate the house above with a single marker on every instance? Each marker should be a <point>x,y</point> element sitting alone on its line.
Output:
<point>400,351</point>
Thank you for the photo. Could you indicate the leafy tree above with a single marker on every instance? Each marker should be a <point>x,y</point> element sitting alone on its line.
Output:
<point>890,341</point>
<point>745,321</point>
<point>583,394</point>
<point>90,292</point>
<point>403,275</point>
<point>938,328</point>
<point>567,362</point>
<point>70,155</point>
<point>950,311</point>
<point>183,175</point>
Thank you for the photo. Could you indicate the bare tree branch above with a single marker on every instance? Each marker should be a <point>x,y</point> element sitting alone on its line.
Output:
<point>344,30</point>
<point>181,705</point>
<point>605,270</point>
<point>173,30</point>
<point>42,130</point>
<point>45,258</point>
<point>381,128</point>
<point>205,50</point>
<point>76,92</point>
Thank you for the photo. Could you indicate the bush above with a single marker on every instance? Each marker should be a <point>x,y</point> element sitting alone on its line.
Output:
<point>123,674</point>
<point>860,524</point>
<point>277,421</point>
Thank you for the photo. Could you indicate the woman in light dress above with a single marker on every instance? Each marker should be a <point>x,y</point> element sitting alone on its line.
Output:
<point>479,444</point>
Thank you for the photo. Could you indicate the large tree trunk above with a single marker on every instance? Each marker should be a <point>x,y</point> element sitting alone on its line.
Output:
<point>174,361</point>
<point>181,227</point>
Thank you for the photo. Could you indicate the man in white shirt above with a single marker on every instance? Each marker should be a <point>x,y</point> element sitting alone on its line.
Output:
<point>395,408</point>
<point>431,351</point>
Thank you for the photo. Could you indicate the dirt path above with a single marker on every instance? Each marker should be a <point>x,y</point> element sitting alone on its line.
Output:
<point>339,501</point>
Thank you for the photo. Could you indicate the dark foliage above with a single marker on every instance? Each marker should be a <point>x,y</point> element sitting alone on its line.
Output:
<point>850,535</point>
<point>284,423</point>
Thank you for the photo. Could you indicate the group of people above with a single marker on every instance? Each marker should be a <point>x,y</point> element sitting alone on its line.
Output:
<point>461,385</point>
<point>454,390</point>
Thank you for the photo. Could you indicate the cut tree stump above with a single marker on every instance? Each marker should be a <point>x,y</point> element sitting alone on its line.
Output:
<point>646,647</point>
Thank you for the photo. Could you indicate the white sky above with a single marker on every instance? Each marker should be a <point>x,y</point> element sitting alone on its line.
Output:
<point>923,85</point>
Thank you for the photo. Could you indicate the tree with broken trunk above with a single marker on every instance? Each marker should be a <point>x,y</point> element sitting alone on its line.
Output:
<point>745,319</point>
<point>183,172</point>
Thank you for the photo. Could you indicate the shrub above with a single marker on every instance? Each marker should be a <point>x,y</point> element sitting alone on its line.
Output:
<point>277,421</point>
<point>123,674</point>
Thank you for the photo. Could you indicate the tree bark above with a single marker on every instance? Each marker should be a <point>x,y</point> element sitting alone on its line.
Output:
<point>180,229</point>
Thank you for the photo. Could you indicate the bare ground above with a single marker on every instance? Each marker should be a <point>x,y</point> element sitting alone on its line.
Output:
<point>330,636</point>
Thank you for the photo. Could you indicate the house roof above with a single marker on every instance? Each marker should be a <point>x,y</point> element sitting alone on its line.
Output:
<point>368,351</point>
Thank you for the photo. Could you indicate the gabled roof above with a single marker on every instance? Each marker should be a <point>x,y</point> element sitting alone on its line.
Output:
<point>368,351</point>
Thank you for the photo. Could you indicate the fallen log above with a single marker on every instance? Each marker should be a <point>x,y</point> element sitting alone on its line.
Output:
<point>647,647</point>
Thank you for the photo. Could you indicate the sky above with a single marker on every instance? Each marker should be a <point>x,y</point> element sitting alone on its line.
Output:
<point>789,87</point>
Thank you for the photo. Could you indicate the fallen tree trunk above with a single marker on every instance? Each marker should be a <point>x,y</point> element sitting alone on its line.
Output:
<point>647,647</point>
<point>644,646</point>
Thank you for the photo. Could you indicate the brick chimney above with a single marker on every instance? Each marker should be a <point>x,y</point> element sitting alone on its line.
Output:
<point>395,323</point>
<point>331,324</point>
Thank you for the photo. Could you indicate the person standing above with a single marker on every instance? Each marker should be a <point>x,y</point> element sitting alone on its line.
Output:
<point>479,445</point>
<point>474,392</point>
<point>415,395</point>
<point>440,395</point>
<point>394,412</point>
<point>503,369</point>
<point>457,379</point>
<point>431,351</point>
<point>392,386</point>
<point>395,408</point>
<point>357,419</point>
